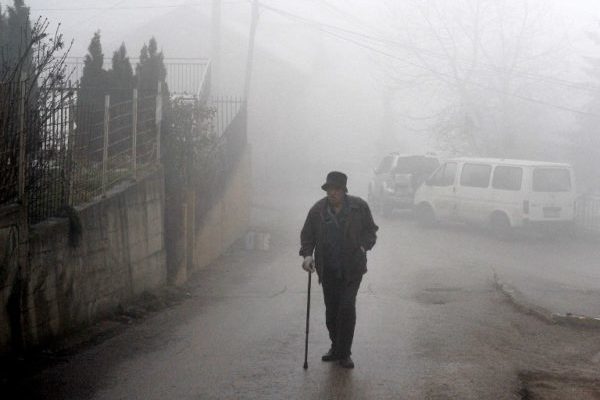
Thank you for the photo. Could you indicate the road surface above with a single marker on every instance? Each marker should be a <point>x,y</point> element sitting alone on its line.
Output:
<point>431,325</point>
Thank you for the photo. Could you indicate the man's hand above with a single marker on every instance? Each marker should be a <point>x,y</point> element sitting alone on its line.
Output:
<point>308,264</point>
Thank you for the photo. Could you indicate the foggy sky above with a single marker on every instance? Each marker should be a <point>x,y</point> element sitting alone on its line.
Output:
<point>80,19</point>
<point>318,98</point>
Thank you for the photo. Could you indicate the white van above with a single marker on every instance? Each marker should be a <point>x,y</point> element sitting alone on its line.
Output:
<point>502,193</point>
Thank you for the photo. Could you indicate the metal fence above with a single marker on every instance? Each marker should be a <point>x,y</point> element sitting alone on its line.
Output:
<point>227,109</point>
<point>184,75</point>
<point>9,144</point>
<point>587,213</point>
<point>46,161</point>
<point>113,145</point>
<point>62,154</point>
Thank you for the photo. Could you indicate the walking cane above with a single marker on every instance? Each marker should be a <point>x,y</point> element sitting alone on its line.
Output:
<point>307,323</point>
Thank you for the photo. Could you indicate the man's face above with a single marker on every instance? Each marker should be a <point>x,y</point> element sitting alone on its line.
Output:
<point>335,195</point>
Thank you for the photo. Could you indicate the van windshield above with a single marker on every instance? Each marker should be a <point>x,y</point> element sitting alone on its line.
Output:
<point>551,180</point>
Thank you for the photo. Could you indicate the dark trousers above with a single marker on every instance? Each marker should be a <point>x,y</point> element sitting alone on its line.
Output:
<point>340,311</point>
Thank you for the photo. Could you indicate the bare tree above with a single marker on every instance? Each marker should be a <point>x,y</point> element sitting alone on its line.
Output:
<point>476,61</point>
<point>37,76</point>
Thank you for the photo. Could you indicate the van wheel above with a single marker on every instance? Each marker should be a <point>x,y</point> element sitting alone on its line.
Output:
<point>425,215</point>
<point>500,225</point>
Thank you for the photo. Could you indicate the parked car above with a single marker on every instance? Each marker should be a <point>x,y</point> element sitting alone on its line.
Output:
<point>501,193</point>
<point>397,178</point>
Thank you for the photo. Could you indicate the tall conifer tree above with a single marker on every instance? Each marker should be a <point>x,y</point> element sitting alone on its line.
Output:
<point>18,34</point>
<point>121,80</point>
<point>151,69</point>
<point>93,79</point>
<point>90,99</point>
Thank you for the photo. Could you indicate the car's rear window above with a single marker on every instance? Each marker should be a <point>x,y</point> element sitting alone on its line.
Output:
<point>551,180</point>
<point>418,165</point>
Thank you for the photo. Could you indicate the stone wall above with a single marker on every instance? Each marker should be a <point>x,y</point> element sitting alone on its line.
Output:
<point>121,254</point>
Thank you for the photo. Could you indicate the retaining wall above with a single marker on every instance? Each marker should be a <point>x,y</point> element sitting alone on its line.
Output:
<point>121,254</point>
<point>227,220</point>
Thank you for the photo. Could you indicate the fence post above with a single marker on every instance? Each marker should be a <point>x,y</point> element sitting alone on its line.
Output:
<point>182,268</point>
<point>23,224</point>
<point>158,120</point>
<point>190,222</point>
<point>22,138</point>
<point>134,133</point>
<point>70,150</point>
<point>105,145</point>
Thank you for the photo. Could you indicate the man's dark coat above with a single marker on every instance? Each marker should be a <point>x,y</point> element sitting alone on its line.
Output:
<point>360,231</point>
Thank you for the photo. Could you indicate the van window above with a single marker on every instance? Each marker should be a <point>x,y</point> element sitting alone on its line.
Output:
<point>507,178</point>
<point>476,175</point>
<point>551,180</point>
<point>444,176</point>
<point>385,166</point>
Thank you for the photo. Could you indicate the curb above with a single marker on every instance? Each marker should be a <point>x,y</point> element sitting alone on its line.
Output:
<point>518,301</point>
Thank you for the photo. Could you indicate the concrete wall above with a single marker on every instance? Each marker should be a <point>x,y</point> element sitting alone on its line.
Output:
<point>121,254</point>
<point>9,236</point>
<point>228,220</point>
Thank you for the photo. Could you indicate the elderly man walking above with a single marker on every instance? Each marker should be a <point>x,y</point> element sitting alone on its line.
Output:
<point>339,230</point>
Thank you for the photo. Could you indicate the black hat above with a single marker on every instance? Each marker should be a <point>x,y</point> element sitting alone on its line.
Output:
<point>335,178</point>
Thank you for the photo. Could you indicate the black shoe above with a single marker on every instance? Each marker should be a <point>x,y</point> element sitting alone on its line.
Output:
<point>330,356</point>
<point>346,362</point>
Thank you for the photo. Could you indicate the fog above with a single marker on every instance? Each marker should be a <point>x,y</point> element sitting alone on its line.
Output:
<point>338,84</point>
<point>501,98</point>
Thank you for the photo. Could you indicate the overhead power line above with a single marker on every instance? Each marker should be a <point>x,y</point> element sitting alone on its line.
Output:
<point>490,67</point>
<point>376,39</point>
<point>342,34</point>
<point>116,4</point>
<point>382,40</point>
<point>117,8</point>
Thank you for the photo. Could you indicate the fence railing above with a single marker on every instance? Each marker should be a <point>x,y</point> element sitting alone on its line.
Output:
<point>67,153</point>
<point>227,108</point>
<point>116,145</point>
<point>9,143</point>
<point>587,214</point>
<point>64,153</point>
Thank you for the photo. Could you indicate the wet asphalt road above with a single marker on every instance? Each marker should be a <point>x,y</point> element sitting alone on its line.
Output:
<point>430,326</point>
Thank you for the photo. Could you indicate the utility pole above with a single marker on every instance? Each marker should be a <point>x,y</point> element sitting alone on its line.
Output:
<point>253,24</point>
<point>216,46</point>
